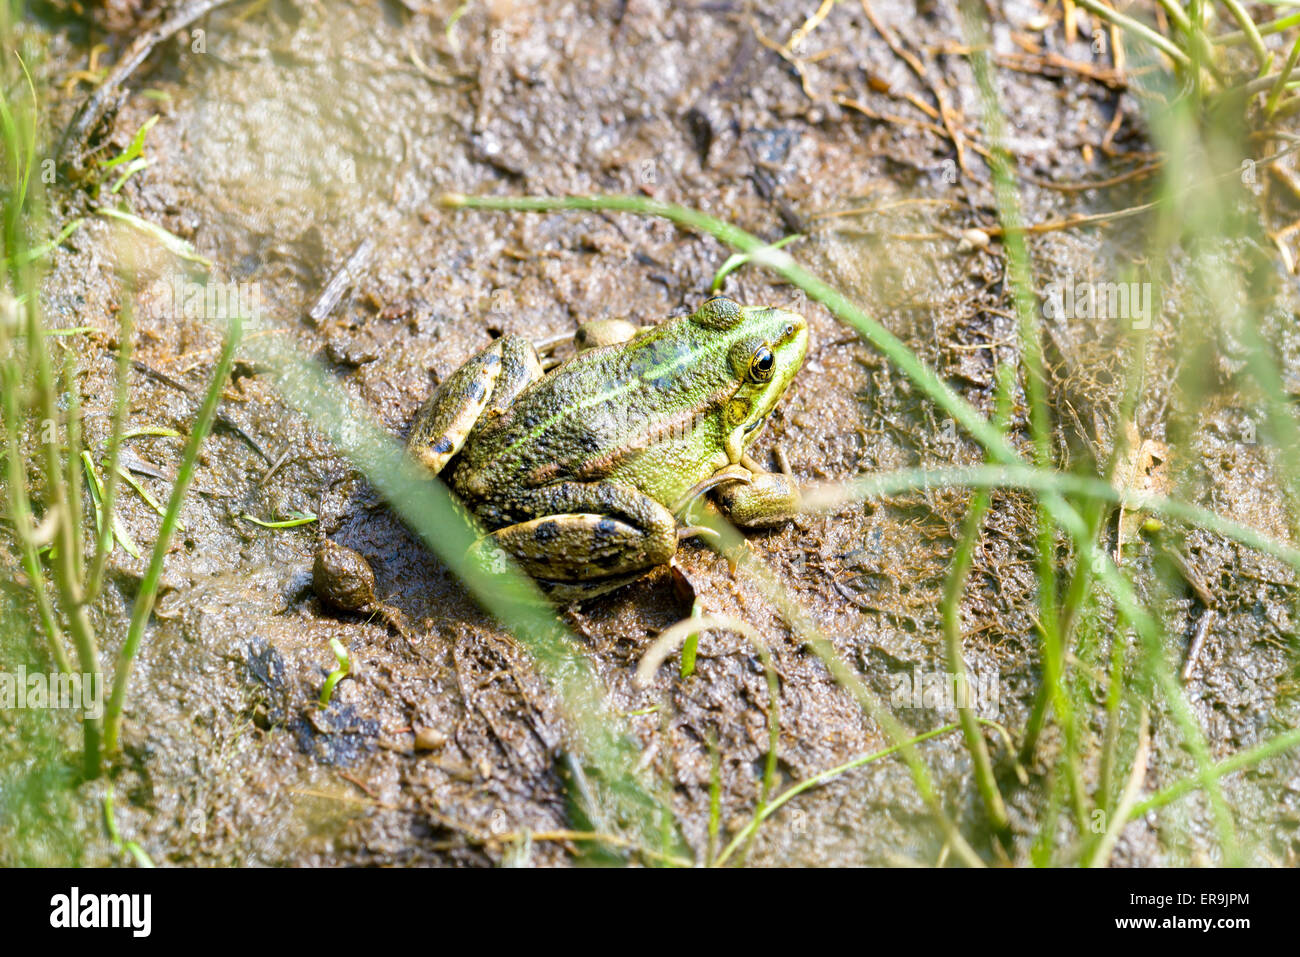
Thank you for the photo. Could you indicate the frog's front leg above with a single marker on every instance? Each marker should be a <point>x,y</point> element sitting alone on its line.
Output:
<point>588,531</point>
<point>488,382</point>
<point>767,499</point>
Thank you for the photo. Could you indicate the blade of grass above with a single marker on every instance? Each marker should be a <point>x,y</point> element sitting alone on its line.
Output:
<point>40,252</point>
<point>1138,29</point>
<point>450,29</point>
<point>294,520</point>
<point>72,464</point>
<point>338,674</point>
<point>687,630</point>
<point>1095,511</point>
<point>110,824</point>
<point>152,430</point>
<point>715,798</point>
<point>19,505</point>
<point>148,593</point>
<point>730,543</point>
<point>19,132</point>
<point>739,259</point>
<point>169,241</point>
<point>1042,852</point>
<point>1238,762</point>
<point>834,495</point>
<point>1277,25</point>
<point>65,573</point>
<point>1279,85</point>
<point>746,832</point>
<point>1019,277</point>
<point>127,173</point>
<point>1262,56</point>
<point>20,137</point>
<point>692,645</point>
<point>955,584</point>
<point>135,147</point>
<point>1150,634</point>
<point>1114,701</point>
<point>121,397</point>
<point>1101,856</point>
<point>113,527</point>
<point>144,494</point>
<point>1133,611</point>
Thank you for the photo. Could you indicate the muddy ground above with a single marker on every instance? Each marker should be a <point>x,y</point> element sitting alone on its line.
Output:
<point>302,129</point>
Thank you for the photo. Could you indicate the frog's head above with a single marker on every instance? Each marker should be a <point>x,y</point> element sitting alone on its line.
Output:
<point>766,348</point>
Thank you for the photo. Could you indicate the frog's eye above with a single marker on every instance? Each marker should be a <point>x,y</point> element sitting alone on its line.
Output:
<point>718,312</point>
<point>761,364</point>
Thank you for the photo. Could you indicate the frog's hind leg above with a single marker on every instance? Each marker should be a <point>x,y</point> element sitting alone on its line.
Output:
<point>487,382</point>
<point>562,593</point>
<point>589,531</point>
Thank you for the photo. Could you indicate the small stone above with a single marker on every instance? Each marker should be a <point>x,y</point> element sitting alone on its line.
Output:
<point>429,739</point>
<point>342,578</point>
<point>972,239</point>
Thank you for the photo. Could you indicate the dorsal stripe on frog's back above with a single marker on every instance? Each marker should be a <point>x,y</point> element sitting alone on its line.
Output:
<point>543,475</point>
<point>660,375</point>
<point>656,430</point>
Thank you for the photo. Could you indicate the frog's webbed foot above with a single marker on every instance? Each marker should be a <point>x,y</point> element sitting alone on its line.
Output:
<point>588,532</point>
<point>738,474</point>
<point>767,499</point>
<point>487,382</point>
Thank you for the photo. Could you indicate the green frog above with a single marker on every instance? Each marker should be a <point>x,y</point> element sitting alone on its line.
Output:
<point>580,474</point>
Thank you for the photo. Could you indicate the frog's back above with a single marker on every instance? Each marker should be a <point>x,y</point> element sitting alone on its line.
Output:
<point>622,412</point>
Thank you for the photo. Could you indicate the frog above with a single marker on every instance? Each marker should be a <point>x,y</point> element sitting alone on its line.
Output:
<point>584,474</point>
